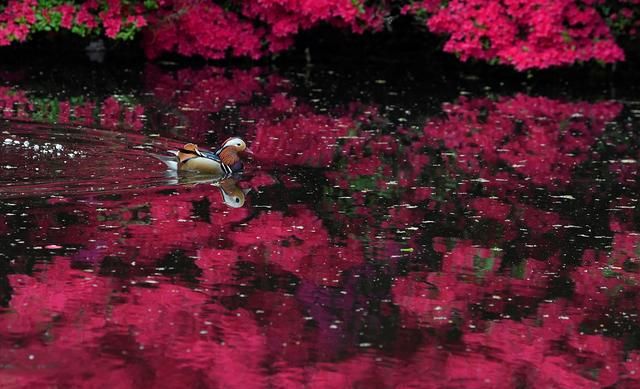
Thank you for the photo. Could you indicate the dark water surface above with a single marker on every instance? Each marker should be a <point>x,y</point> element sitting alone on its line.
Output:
<point>396,233</point>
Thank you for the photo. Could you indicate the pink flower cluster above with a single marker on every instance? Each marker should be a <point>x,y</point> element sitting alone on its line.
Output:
<point>257,28</point>
<point>19,18</point>
<point>285,18</point>
<point>524,34</point>
<point>200,28</point>
<point>623,17</point>
<point>116,17</point>
<point>15,19</point>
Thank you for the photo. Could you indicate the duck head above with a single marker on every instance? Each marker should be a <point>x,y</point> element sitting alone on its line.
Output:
<point>236,144</point>
<point>230,149</point>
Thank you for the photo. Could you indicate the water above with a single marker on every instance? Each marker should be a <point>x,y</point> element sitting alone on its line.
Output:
<point>392,232</point>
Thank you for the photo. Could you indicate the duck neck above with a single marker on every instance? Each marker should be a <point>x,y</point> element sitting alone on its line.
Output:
<point>229,156</point>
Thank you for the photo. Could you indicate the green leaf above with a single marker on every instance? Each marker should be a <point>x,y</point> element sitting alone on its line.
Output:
<point>358,6</point>
<point>482,265</point>
<point>150,4</point>
<point>518,271</point>
<point>608,272</point>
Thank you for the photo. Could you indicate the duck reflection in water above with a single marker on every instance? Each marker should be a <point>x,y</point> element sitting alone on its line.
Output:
<point>232,194</point>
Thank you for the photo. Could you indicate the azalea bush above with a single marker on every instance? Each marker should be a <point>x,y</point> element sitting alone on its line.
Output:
<point>531,34</point>
<point>115,19</point>
<point>520,33</point>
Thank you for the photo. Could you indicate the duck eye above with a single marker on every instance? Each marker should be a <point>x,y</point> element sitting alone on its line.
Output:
<point>237,200</point>
<point>238,144</point>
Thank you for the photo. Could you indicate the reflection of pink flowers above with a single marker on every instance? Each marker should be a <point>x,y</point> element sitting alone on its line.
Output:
<point>536,137</point>
<point>304,139</point>
<point>539,220</point>
<point>39,300</point>
<point>197,94</point>
<point>524,349</point>
<point>490,208</point>
<point>171,287</point>
<point>434,298</point>
<point>112,113</point>
<point>4,227</point>
<point>115,114</point>
<point>626,172</point>
<point>626,247</point>
<point>466,257</point>
<point>216,265</point>
<point>13,102</point>
<point>431,304</point>
<point>299,244</point>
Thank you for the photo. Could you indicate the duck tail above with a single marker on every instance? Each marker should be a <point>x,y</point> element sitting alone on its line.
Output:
<point>170,160</point>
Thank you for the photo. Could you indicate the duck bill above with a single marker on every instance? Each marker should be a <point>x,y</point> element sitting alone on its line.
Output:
<point>249,151</point>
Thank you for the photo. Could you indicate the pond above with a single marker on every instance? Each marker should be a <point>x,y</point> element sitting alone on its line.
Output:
<point>389,231</point>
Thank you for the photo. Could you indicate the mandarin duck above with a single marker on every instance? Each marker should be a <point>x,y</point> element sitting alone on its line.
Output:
<point>222,163</point>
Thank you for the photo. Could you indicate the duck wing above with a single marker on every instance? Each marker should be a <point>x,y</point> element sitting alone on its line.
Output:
<point>210,155</point>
